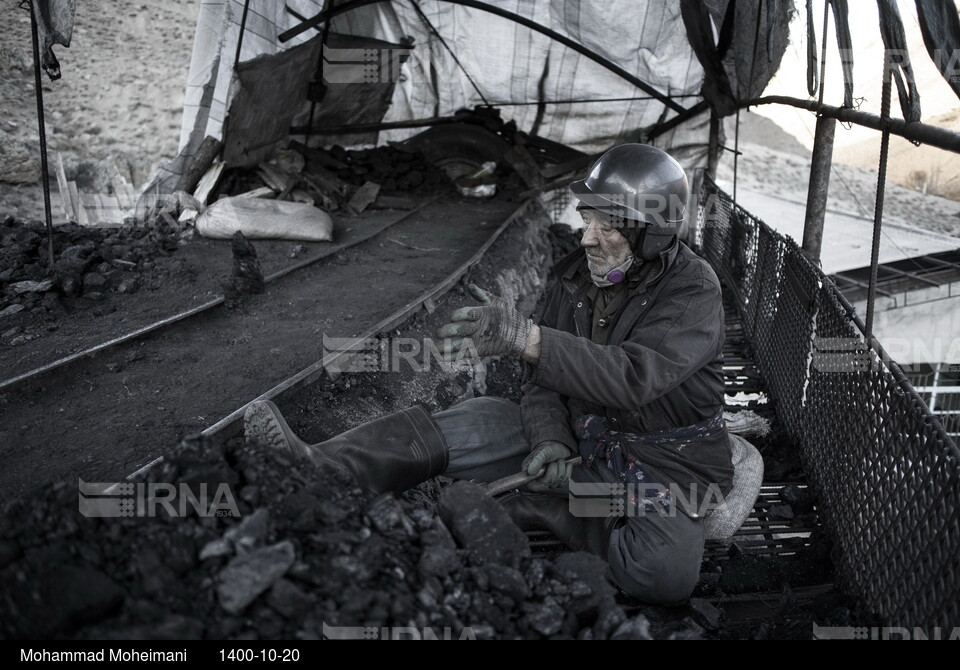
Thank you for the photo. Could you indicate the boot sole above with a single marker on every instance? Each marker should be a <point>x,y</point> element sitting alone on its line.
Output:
<point>264,425</point>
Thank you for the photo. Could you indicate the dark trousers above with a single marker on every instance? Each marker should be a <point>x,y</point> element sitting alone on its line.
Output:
<point>653,558</point>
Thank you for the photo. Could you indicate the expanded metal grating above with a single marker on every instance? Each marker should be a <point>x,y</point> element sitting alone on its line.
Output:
<point>885,473</point>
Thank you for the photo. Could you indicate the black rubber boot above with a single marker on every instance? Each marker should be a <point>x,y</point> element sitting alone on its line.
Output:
<point>540,511</point>
<point>392,453</point>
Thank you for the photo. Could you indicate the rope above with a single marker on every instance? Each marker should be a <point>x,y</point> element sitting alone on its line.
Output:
<point>456,60</point>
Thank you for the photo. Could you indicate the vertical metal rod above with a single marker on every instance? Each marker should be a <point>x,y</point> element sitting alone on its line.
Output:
<point>243,26</point>
<point>878,208</point>
<point>713,152</point>
<point>736,155</point>
<point>44,175</point>
<point>820,165</point>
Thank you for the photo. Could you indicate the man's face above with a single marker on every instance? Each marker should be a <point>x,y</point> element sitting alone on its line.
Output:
<point>605,246</point>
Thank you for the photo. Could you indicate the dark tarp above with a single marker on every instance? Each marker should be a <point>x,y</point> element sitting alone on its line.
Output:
<point>841,15</point>
<point>272,94</point>
<point>54,26</point>
<point>752,37</point>
<point>895,43</point>
<point>844,44</point>
<point>940,27</point>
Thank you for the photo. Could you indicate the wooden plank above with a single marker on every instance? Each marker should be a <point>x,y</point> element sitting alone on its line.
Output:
<point>90,205</point>
<point>521,161</point>
<point>206,153</point>
<point>262,192</point>
<point>69,213</point>
<point>110,212</point>
<point>205,187</point>
<point>79,213</point>
<point>209,182</point>
<point>274,177</point>
<point>124,191</point>
<point>365,195</point>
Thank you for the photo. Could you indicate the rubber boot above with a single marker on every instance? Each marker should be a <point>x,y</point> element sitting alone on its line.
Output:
<point>539,511</point>
<point>392,453</point>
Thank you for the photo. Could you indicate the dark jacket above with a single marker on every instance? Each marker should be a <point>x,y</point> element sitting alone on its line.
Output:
<point>661,366</point>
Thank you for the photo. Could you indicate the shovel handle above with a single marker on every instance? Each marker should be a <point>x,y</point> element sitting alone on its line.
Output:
<point>521,478</point>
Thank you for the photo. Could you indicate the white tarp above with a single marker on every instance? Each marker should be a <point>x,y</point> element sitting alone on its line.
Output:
<point>505,59</point>
<point>513,66</point>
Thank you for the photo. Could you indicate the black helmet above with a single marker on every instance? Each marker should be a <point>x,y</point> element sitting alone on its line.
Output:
<point>639,187</point>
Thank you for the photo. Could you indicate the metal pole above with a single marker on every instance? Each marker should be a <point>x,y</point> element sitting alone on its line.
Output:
<point>713,153</point>
<point>243,26</point>
<point>44,175</point>
<point>820,164</point>
<point>933,136</point>
<point>878,208</point>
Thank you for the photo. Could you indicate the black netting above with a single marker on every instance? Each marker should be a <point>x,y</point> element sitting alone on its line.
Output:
<point>886,474</point>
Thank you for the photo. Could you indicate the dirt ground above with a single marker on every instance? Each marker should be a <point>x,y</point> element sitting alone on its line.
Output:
<point>113,413</point>
<point>120,94</point>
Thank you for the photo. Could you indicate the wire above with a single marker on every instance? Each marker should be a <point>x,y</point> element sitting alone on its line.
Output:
<point>576,100</point>
<point>456,60</point>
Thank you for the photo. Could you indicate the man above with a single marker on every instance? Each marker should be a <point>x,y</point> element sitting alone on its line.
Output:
<point>624,369</point>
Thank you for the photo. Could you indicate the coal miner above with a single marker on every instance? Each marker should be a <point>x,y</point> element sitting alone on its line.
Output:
<point>623,370</point>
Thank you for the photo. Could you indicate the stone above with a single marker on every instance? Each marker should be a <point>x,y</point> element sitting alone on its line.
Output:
<point>94,281</point>
<point>507,581</point>
<point>52,303</point>
<point>215,549</point>
<point>781,512</point>
<point>706,613</point>
<point>589,570</point>
<point>288,600</point>
<point>9,552</point>
<point>482,526</point>
<point>129,284</point>
<point>173,627</point>
<point>250,531</point>
<point>546,618</point>
<point>439,557</point>
<point>22,287</point>
<point>801,500</point>
<point>19,161</point>
<point>10,311</point>
<point>634,628</point>
<point>64,598</point>
<point>388,516</point>
<point>247,576</point>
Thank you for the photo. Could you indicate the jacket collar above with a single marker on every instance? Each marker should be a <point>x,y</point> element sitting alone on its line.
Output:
<point>572,267</point>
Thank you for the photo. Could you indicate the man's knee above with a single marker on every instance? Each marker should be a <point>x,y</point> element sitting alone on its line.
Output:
<point>657,562</point>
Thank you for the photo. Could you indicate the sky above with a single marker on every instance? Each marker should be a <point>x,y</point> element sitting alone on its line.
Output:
<point>936,96</point>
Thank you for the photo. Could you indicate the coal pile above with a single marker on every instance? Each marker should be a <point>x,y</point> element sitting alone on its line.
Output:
<point>397,169</point>
<point>309,555</point>
<point>89,264</point>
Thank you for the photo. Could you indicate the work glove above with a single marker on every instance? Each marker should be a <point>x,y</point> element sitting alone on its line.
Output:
<point>552,456</point>
<point>495,327</point>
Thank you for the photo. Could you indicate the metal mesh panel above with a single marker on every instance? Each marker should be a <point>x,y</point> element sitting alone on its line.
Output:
<point>886,474</point>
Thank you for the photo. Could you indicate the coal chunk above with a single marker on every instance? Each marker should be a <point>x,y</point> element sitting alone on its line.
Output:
<point>62,599</point>
<point>482,526</point>
<point>247,576</point>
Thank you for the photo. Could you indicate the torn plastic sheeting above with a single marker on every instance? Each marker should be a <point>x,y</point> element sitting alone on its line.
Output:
<point>260,219</point>
<point>270,90</point>
<point>54,26</point>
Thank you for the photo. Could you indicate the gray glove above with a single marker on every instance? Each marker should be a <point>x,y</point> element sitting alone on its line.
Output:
<point>495,327</point>
<point>552,456</point>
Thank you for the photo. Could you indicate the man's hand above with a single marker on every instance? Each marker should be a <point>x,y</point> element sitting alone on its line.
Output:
<point>495,327</point>
<point>552,456</point>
